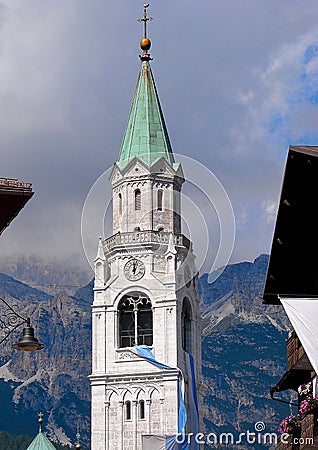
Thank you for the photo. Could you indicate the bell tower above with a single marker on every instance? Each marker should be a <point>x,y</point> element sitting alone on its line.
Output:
<point>145,291</point>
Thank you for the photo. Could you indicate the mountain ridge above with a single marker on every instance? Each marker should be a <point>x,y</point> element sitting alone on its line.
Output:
<point>239,335</point>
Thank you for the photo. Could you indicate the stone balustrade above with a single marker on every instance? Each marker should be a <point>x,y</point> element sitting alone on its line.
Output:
<point>145,237</point>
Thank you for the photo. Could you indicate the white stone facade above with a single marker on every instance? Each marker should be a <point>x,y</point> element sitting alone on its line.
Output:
<point>130,396</point>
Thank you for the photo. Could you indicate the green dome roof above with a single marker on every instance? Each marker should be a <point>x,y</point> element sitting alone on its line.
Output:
<point>41,442</point>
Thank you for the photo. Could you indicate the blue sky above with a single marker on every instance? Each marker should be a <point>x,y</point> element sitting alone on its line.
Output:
<point>237,80</point>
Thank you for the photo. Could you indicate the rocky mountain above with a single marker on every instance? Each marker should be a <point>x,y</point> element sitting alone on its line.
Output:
<point>243,346</point>
<point>50,277</point>
<point>53,380</point>
<point>244,352</point>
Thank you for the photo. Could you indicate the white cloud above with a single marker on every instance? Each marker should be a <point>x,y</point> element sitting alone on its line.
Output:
<point>270,208</point>
<point>233,83</point>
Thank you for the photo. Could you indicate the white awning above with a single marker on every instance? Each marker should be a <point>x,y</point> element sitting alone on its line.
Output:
<point>303,315</point>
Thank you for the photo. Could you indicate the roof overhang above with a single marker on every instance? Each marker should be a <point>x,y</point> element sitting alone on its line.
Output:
<point>12,200</point>
<point>293,264</point>
<point>291,379</point>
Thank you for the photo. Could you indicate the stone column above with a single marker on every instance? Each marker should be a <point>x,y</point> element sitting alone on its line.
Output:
<point>121,409</point>
<point>106,444</point>
<point>148,415</point>
<point>134,404</point>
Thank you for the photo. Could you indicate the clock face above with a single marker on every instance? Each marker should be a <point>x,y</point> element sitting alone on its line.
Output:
<point>134,269</point>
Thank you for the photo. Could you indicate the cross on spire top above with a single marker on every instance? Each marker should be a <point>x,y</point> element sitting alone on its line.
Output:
<point>145,19</point>
<point>40,420</point>
<point>145,42</point>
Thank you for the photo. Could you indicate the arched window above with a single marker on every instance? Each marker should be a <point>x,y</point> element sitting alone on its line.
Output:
<point>135,321</point>
<point>137,200</point>
<point>127,410</point>
<point>159,199</point>
<point>120,204</point>
<point>186,317</point>
<point>141,409</point>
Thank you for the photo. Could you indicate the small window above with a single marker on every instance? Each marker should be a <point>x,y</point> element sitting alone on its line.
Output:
<point>137,200</point>
<point>186,317</point>
<point>160,197</point>
<point>120,204</point>
<point>128,410</point>
<point>141,409</point>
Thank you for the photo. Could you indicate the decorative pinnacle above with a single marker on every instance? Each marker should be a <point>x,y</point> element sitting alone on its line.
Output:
<point>145,42</point>
<point>40,420</point>
<point>78,445</point>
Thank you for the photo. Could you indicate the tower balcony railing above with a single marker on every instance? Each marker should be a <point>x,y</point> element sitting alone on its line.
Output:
<point>145,237</point>
<point>14,183</point>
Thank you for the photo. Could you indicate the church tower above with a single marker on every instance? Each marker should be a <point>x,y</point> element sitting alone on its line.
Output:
<point>145,291</point>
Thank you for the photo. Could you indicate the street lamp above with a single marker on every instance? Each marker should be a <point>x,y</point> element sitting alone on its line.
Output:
<point>10,320</point>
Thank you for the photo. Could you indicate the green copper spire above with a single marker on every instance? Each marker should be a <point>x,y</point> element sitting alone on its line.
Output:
<point>41,442</point>
<point>146,135</point>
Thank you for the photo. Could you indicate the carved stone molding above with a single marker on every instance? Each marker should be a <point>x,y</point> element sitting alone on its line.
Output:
<point>127,355</point>
<point>137,183</point>
<point>162,184</point>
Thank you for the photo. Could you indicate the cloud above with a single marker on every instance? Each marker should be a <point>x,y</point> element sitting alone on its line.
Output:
<point>237,83</point>
<point>270,209</point>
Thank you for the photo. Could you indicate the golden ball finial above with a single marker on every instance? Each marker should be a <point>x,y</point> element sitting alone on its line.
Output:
<point>78,446</point>
<point>145,44</point>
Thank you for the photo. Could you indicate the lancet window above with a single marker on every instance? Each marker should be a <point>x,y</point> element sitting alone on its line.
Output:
<point>120,204</point>
<point>137,200</point>
<point>135,321</point>
<point>141,409</point>
<point>127,410</point>
<point>159,200</point>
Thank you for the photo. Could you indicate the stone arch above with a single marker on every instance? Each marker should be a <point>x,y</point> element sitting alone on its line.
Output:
<point>110,395</point>
<point>140,392</point>
<point>127,394</point>
<point>128,291</point>
<point>151,389</point>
